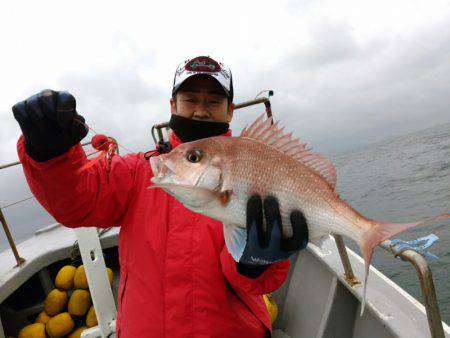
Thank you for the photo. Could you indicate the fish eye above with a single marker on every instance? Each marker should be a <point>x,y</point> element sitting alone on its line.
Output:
<point>194,156</point>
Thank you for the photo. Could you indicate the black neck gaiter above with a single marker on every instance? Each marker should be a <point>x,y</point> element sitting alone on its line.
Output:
<point>189,130</point>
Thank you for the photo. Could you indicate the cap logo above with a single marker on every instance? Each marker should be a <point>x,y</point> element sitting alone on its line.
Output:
<point>202,64</point>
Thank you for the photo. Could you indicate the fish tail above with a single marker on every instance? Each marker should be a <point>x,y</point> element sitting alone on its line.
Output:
<point>380,232</point>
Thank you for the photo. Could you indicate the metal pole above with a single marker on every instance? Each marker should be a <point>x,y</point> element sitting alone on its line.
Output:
<point>19,259</point>
<point>349,275</point>
<point>7,165</point>
<point>251,102</point>
<point>161,125</point>
<point>427,286</point>
<point>160,134</point>
<point>12,164</point>
<point>268,109</point>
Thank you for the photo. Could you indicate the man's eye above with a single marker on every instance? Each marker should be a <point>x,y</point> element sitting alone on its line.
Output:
<point>214,102</point>
<point>189,100</point>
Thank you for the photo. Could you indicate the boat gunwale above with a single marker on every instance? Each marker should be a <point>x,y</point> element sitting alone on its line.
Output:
<point>38,255</point>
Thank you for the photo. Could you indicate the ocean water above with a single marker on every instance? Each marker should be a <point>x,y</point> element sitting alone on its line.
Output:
<point>400,180</point>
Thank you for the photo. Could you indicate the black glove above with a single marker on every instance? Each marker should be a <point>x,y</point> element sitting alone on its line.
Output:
<point>50,124</point>
<point>266,246</point>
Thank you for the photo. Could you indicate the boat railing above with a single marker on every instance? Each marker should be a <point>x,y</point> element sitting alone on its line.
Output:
<point>9,237</point>
<point>426,285</point>
<point>423,272</point>
<point>90,249</point>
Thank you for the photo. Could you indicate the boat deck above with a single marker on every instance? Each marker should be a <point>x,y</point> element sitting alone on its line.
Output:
<point>315,300</point>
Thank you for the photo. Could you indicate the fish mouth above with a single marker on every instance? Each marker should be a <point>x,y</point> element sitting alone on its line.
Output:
<point>159,168</point>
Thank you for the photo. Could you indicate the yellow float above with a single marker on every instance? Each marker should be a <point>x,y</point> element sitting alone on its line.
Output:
<point>60,325</point>
<point>80,280</point>
<point>91,318</point>
<point>55,302</point>
<point>64,278</point>
<point>79,302</point>
<point>272,307</point>
<point>77,332</point>
<point>42,318</point>
<point>36,330</point>
<point>110,275</point>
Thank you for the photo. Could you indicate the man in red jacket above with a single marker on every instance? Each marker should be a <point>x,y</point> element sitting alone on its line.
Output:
<point>177,277</point>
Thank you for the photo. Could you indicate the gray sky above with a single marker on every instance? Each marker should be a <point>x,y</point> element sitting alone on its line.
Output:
<point>345,73</point>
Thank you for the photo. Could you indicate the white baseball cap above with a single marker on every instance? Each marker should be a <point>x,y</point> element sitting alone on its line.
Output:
<point>204,65</point>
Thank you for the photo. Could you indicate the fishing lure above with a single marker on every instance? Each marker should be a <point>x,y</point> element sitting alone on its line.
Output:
<point>107,147</point>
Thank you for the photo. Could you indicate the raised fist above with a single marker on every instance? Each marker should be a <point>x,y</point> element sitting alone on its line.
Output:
<point>50,124</point>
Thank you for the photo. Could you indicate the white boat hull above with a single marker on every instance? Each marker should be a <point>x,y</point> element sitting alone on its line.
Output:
<point>315,300</point>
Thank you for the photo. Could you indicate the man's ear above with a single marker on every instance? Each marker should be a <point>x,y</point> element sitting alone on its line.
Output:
<point>230,112</point>
<point>173,105</point>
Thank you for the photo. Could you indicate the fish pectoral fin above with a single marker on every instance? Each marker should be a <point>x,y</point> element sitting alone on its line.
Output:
<point>235,240</point>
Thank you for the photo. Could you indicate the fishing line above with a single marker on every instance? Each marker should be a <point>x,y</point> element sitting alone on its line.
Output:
<point>121,146</point>
<point>96,133</point>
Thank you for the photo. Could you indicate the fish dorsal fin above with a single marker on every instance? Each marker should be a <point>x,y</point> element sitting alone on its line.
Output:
<point>269,133</point>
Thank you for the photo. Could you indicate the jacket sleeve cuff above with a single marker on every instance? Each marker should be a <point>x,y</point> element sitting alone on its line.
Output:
<point>268,281</point>
<point>251,271</point>
<point>76,153</point>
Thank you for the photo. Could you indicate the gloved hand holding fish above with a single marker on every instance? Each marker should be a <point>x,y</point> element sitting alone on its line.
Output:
<point>216,176</point>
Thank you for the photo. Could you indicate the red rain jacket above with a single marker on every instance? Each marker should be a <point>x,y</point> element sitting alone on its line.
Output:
<point>177,278</point>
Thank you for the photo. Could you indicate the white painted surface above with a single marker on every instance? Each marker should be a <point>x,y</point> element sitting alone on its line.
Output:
<point>389,307</point>
<point>94,265</point>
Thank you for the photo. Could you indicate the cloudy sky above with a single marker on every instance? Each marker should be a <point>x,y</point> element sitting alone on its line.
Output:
<point>345,73</point>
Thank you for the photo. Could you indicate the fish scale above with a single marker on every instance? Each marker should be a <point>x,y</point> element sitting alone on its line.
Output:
<point>226,171</point>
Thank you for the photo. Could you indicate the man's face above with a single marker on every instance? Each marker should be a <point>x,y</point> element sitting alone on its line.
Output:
<point>202,98</point>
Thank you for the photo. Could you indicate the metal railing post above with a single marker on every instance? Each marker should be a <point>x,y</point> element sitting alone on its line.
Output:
<point>426,285</point>
<point>349,275</point>
<point>423,272</point>
<point>19,259</point>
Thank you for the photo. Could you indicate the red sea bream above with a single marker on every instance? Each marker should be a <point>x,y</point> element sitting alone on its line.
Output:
<point>216,176</point>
